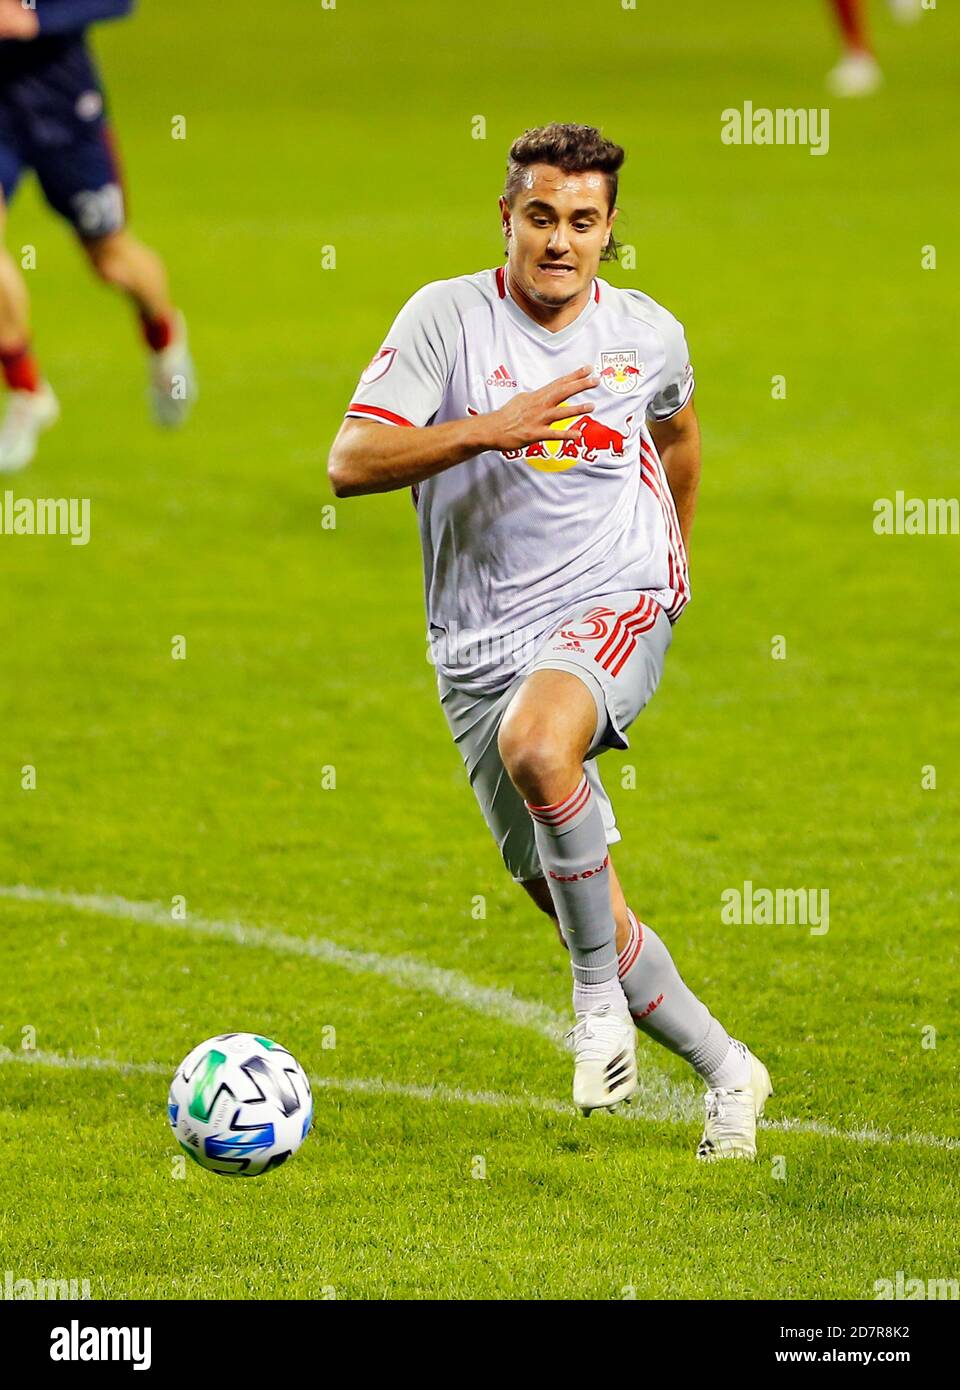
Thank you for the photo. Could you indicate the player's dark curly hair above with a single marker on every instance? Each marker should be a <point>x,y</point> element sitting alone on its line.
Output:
<point>573,148</point>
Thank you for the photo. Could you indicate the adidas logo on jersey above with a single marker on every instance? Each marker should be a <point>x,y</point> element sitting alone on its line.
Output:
<point>501,377</point>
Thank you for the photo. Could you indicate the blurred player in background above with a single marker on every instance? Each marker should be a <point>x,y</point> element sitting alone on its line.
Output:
<point>858,73</point>
<point>52,120</point>
<point>554,533</point>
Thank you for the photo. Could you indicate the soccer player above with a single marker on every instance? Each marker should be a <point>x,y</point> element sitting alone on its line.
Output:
<point>545,423</point>
<point>52,121</point>
<point>857,73</point>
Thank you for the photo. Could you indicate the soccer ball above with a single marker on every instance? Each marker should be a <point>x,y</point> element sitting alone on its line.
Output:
<point>240,1104</point>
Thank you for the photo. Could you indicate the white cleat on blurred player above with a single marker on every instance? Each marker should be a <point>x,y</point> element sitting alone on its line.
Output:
<point>730,1129</point>
<point>906,11</point>
<point>29,413</point>
<point>173,380</point>
<point>856,75</point>
<point>605,1058</point>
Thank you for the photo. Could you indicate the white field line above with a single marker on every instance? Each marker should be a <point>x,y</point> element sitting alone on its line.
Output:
<point>659,1099</point>
<point>866,1134</point>
<point>455,1095</point>
<point>356,1085</point>
<point>400,970</point>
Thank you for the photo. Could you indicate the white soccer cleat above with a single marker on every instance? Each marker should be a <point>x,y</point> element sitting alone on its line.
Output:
<point>29,413</point>
<point>730,1129</point>
<point>173,380</point>
<point>856,75</point>
<point>605,1059</point>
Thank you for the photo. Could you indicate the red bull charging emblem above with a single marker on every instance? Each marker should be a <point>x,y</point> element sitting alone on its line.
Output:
<point>594,440</point>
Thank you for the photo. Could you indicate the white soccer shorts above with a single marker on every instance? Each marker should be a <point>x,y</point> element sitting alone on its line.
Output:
<point>617,646</point>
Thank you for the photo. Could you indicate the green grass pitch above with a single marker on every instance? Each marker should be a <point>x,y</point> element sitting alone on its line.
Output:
<point>445,1160</point>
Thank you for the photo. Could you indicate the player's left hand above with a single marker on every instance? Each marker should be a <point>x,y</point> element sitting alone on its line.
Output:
<point>17,21</point>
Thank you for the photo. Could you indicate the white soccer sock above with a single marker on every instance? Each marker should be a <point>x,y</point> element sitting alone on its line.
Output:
<point>595,996</point>
<point>572,845</point>
<point>733,1071</point>
<point>664,1008</point>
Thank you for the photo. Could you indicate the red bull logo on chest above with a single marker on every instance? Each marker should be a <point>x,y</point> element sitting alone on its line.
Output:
<point>620,372</point>
<point>595,440</point>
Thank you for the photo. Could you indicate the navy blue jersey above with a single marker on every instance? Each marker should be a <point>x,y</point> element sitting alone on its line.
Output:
<point>73,16</point>
<point>53,117</point>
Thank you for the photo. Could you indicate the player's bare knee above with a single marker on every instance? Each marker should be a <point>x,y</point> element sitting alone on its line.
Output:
<point>540,766</point>
<point>107,257</point>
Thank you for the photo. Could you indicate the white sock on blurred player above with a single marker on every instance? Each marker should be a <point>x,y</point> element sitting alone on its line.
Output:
<point>173,378</point>
<point>906,11</point>
<point>28,414</point>
<point>855,75</point>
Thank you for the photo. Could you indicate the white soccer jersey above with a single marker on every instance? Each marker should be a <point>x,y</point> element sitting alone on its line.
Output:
<point>512,540</point>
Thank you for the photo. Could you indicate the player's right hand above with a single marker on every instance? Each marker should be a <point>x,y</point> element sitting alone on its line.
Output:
<point>529,416</point>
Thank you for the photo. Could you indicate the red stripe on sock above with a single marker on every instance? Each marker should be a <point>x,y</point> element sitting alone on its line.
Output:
<point>562,811</point>
<point>158,332</point>
<point>20,369</point>
<point>558,805</point>
<point>853,23</point>
<point>628,956</point>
